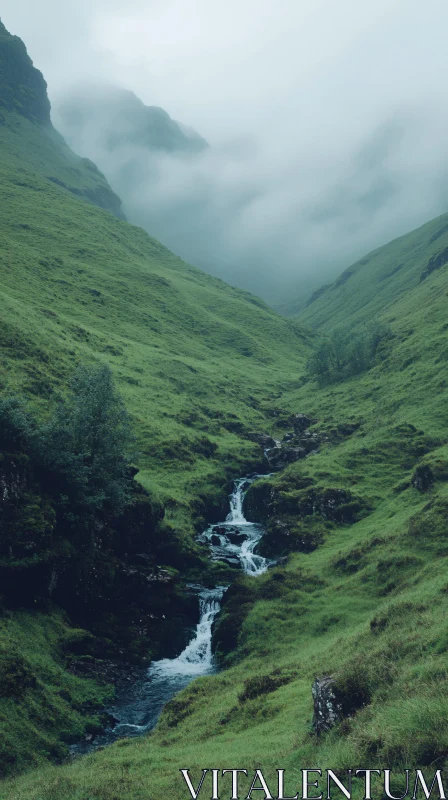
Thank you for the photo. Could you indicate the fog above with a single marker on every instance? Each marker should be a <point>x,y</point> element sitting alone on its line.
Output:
<point>325,123</point>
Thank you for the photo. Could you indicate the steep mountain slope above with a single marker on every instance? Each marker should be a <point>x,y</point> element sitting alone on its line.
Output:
<point>195,358</point>
<point>362,521</point>
<point>198,363</point>
<point>362,597</point>
<point>24,107</point>
<point>378,280</point>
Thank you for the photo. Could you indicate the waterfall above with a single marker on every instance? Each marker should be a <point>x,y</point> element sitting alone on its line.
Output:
<point>236,503</point>
<point>197,658</point>
<point>139,706</point>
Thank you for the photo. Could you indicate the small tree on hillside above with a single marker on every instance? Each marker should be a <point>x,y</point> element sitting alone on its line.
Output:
<point>86,443</point>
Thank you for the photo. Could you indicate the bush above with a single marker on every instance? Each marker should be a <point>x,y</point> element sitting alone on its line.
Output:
<point>260,684</point>
<point>347,352</point>
<point>15,675</point>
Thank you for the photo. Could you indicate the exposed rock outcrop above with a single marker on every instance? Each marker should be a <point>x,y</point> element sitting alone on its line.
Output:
<point>327,706</point>
<point>23,88</point>
<point>265,499</point>
<point>295,444</point>
<point>423,478</point>
<point>435,262</point>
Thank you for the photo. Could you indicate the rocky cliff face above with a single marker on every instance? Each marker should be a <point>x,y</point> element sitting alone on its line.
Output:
<point>23,92</point>
<point>22,87</point>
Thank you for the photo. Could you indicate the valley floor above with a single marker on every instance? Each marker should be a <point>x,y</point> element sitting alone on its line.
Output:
<point>367,605</point>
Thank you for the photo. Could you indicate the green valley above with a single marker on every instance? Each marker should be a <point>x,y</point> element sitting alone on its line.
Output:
<point>358,528</point>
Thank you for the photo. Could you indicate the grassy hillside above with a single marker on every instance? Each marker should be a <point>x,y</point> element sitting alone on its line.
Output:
<point>380,279</point>
<point>197,361</point>
<point>362,521</point>
<point>367,605</point>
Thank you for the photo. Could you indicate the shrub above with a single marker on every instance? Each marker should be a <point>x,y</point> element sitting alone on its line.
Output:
<point>15,675</point>
<point>347,352</point>
<point>260,684</point>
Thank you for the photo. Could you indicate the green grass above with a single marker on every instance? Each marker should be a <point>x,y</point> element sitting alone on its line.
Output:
<point>198,362</point>
<point>367,605</point>
<point>43,707</point>
<point>202,365</point>
<point>377,281</point>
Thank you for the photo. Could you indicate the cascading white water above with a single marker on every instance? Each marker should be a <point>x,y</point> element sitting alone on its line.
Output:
<point>236,503</point>
<point>197,658</point>
<point>139,708</point>
<point>236,543</point>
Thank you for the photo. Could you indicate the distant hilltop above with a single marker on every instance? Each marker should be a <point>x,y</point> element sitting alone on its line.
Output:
<point>114,117</point>
<point>22,87</point>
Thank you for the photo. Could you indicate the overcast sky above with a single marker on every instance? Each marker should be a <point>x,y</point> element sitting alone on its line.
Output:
<point>330,114</point>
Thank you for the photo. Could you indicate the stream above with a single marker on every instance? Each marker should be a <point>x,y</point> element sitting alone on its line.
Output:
<point>137,707</point>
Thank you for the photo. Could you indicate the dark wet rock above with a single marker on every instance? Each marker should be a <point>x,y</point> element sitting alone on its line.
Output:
<point>291,534</point>
<point>232,561</point>
<point>236,537</point>
<point>259,501</point>
<point>220,529</point>
<point>266,500</point>
<point>215,540</point>
<point>236,604</point>
<point>423,478</point>
<point>280,456</point>
<point>327,705</point>
<point>336,505</point>
<point>300,422</point>
<point>263,439</point>
<point>104,670</point>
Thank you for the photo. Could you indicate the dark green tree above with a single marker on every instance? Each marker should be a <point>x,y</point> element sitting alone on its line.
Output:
<point>347,352</point>
<point>86,444</point>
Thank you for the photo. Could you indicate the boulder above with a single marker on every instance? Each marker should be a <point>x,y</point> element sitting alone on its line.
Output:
<point>263,439</point>
<point>220,529</point>
<point>236,537</point>
<point>300,422</point>
<point>327,706</point>
<point>423,478</point>
<point>280,456</point>
<point>232,561</point>
<point>215,540</point>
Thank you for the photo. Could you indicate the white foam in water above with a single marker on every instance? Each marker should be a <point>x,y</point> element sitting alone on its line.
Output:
<point>197,658</point>
<point>139,708</point>
<point>236,504</point>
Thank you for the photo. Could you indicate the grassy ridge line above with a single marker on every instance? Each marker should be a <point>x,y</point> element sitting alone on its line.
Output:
<point>378,280</point>
<point>33,148</point>
<point>368,604</point>
<point>196,360</point>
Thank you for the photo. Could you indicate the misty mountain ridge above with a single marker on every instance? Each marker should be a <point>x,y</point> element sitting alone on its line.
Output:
<point>23,87</point>
<point>24,108</point>
<point>266,221</point>
<point>112,117</point>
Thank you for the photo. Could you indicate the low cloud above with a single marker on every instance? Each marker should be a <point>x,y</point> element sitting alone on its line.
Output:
<point>325,122</point>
